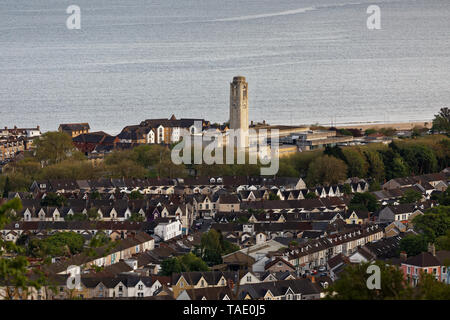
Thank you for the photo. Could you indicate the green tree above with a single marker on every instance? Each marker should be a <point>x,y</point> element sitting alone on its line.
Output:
<point>311,195</point>
<point>54,147</point>
<point>6,212</point>
<point>364,201</point>
<point>443,242</point>
<point>126,168</point>
<point>347,189</point>
<point>326,170</point>
<point>356,162</point>
<point>15,272</point>
<point>136,195</point>
<point>442,198</point>
<point>420,158</point>
<point>395,166</point>
<point>388,132</point>
<point>95,195</point>
<point>352,284</point>
<point>376,168</point>
<point>185,263</point>
<point>368,132</point>
<point>411,196</point>
<point>77,216</point>
<point>99,239</point>
<point>441,122</point>
<point>274,196</point>
<point>335,151</point>
<point>93,215</point>
<point>429,288</point>
<point>170,266</point>
<point>413,244</point>
<point>52,199</point>
<point>433,223</point>
<point>242,220</point>
<point>374,186</point>
<point>213,246</point>
<point>59,244</point>
<point>6,187</point>
<point>136,217</point>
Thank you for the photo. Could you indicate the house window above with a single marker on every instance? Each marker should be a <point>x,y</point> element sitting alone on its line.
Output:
<point>249,278</point>
<point>120,288</point>
<point>202,283</point>
<point>140,287</point>
<point>140,294</point>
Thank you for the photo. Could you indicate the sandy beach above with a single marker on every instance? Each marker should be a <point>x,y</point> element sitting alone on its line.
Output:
<point>397,126</point>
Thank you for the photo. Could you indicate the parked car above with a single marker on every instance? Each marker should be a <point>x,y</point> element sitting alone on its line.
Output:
<point>322,268</point>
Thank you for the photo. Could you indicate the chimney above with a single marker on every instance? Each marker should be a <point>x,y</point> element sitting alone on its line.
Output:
<point>251,123</point>
<point>403,256</point>
<point>432,249</point>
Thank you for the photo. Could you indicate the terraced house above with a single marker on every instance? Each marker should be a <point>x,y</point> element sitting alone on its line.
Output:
<point>196,280</point>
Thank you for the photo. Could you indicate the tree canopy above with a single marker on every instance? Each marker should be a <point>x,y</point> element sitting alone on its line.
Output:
<point>185,263</point>
<point>364,201</point>
<point>326,170</point>
<point>441,122</point>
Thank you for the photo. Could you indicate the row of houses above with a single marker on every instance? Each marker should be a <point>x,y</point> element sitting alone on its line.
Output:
<point>15,140</point>
<point>307,255</point>
<point>210,285</point>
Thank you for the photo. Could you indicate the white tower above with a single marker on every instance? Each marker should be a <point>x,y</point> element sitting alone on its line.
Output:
<point>239,108</point>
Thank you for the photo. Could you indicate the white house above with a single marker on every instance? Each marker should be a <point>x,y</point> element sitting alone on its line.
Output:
<point>168,230</point>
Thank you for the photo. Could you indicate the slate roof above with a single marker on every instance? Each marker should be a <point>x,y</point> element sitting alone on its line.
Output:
<point>279,288</point>
<point>424,259</point>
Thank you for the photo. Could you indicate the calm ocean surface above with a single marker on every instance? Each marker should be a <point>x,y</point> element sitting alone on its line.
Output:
<point>306,61</point>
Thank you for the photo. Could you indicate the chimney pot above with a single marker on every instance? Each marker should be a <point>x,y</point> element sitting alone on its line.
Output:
<point>403,256</point>
<point>432,249</point>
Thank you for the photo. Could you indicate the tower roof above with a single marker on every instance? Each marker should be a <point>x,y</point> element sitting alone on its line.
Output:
<point>238,78</point>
